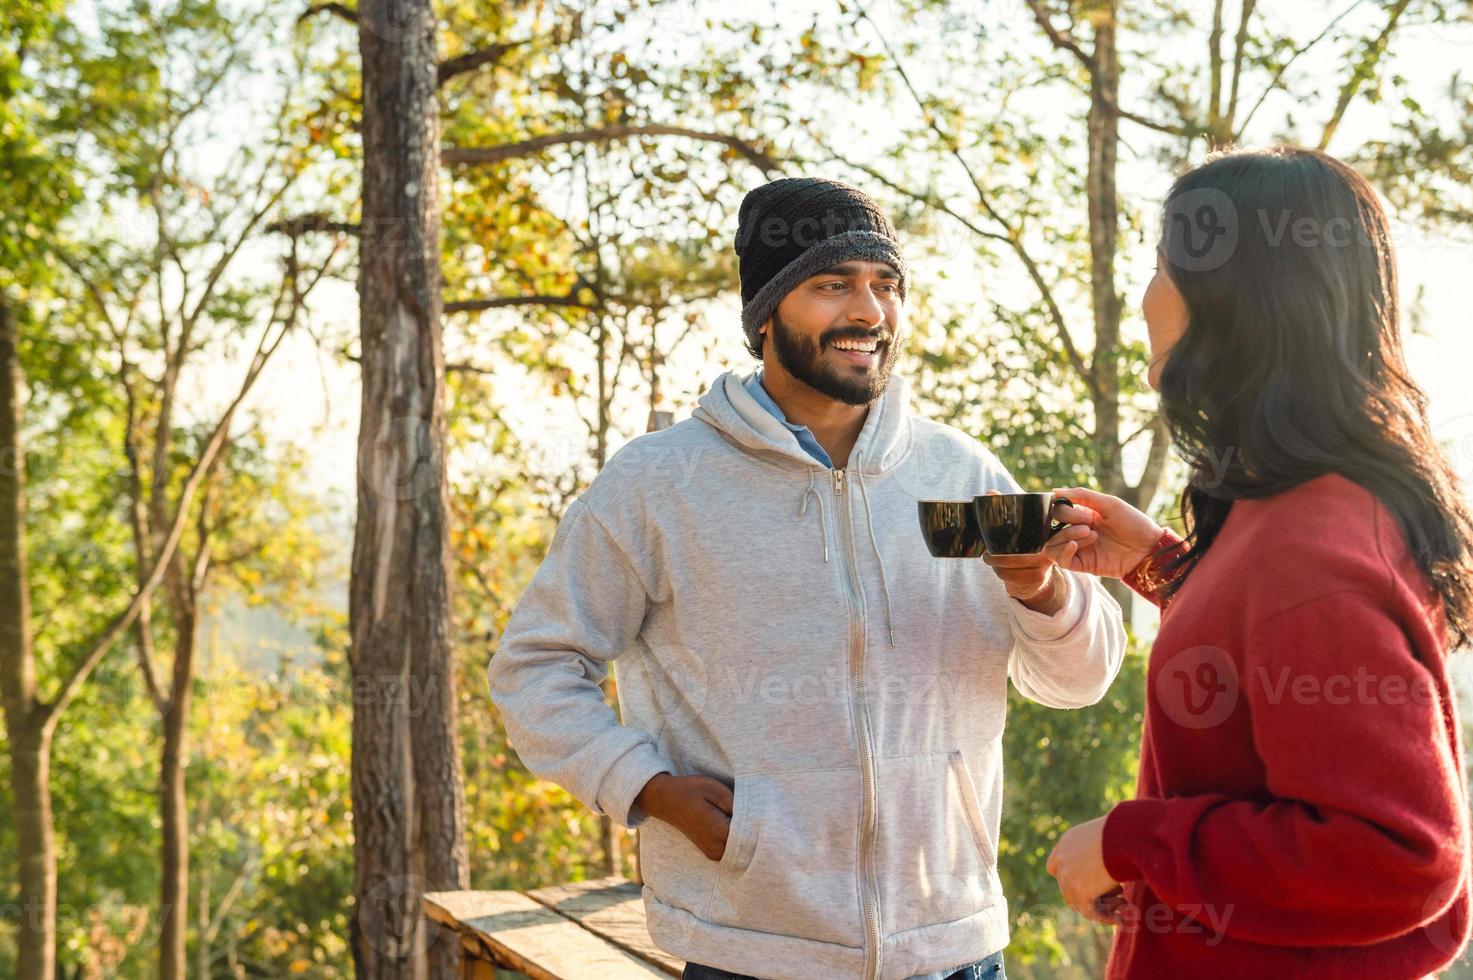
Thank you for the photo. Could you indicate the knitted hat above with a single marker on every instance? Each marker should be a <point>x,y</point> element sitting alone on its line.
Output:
<point>796,227</point>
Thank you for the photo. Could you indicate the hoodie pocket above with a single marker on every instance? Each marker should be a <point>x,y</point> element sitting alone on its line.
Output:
<point>934,858</point>
<point>791,861</point>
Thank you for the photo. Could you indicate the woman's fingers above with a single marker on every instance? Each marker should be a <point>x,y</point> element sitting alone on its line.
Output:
<point>1075,516</point>
<point>1103,918</point>
<point>1099,502</point>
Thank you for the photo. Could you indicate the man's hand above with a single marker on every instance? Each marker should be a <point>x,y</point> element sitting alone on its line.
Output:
<point>697,806</point>
<point>1033,579</point>
<point>1078,863</point>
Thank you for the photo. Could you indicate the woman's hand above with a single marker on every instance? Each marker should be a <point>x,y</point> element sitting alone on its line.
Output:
<point>1032,579</point>
<point>1123,535</point>
<point>1078,864</point>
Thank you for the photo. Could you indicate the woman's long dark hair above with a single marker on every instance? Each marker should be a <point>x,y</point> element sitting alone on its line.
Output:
<point>1291,366</point>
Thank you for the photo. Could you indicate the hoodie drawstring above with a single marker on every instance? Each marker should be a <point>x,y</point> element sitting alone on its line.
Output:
<point>823,520</point>
<point>870,524</point>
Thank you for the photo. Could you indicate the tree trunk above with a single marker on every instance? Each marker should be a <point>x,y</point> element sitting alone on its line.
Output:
<point>174,808</point>
<point>27,727</point>
<point>1104,238</point>
<point>408,796</point>
<point>30,762</point>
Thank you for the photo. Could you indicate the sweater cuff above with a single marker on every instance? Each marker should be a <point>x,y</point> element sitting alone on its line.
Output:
<point>1044,628</point>
<point>622,783</point>
<point>1127,837</point>
<point>1149,578</point>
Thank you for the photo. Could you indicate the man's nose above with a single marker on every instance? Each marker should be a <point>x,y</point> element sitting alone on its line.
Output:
<point>866,310</point>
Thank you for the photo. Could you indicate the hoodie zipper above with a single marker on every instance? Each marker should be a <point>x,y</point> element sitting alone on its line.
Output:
<point>861,716</point>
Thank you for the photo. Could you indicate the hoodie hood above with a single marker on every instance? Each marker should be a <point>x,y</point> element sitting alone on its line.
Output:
<point>883,442</point>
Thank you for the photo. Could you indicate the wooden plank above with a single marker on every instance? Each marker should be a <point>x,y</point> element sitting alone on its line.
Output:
<point>533,939</point>
<point>613,909</point>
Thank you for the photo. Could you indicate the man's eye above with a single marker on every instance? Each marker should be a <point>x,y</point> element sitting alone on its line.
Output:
<point>890,287</point>
<point>837,285</point>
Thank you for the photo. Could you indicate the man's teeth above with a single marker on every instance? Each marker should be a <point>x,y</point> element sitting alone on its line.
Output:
<point>868,347</point>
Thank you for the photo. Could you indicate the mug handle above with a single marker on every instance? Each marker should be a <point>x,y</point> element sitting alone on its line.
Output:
<point>1054,527</point>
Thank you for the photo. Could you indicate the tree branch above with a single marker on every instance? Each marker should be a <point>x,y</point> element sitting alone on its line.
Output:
<point>1363,70</point>
<point>472,155</point>
<point>1150,482</point>
<point>490,54</point>
<point>336,9</point>
<point>316,221</point>
<point>100,643</point>
<point>1214,71</point>
<point>1062,40</point>
<point>1186,131</point>
<point>570,298</point>
<point>501,302</point>
<point>1274,82</point>
<point>1240,44</point>
<point>1011,235</point>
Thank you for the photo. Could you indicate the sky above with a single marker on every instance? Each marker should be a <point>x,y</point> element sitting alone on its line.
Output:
<point>314,400</point>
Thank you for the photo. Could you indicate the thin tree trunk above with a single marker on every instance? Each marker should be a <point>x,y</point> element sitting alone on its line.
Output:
<point>202,929</point>
<point>1104,238</point>
<point>408,796</point>
<point>27,728</point>
<point>30,762</point>
<point>174,808</point>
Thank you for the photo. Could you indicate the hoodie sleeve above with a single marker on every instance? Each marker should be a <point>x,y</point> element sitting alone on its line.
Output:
<point>583,608</point>
<point>1069,659</point>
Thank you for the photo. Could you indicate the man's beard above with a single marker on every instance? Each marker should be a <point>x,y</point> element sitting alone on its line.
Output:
<point>799,356</point>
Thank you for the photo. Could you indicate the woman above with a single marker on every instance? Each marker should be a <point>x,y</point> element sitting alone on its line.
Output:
<point>1300,810</point>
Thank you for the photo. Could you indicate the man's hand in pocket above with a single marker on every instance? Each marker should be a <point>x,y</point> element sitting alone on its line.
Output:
<point>698,806</point>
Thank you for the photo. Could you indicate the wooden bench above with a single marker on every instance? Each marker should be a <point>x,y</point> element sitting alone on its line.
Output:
<point>587,929</point>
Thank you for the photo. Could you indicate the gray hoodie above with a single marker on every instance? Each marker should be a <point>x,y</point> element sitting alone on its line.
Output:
<point>784,629</point>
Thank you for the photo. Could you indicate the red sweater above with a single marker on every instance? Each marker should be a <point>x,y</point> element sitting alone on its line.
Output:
<point>1300,810</point>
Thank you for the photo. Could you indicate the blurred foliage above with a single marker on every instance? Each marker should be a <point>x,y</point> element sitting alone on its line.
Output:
<point>635,234</point>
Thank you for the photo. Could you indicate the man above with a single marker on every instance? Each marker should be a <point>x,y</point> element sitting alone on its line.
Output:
<point>812,704</point>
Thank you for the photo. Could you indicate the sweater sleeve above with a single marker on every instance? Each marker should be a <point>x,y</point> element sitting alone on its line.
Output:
<point>1149,578</point>
<point>1364,822</point>
<point>583,608</point>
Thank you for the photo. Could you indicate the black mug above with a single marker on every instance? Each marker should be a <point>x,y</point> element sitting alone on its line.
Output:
<point>1018,523</point>
<point>998,524</point>
<point>951,528</point>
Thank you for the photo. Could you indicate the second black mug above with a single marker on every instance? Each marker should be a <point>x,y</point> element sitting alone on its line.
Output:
<point>998,524</point>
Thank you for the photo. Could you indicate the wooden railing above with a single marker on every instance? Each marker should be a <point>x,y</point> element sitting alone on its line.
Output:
<point>587,930</point>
